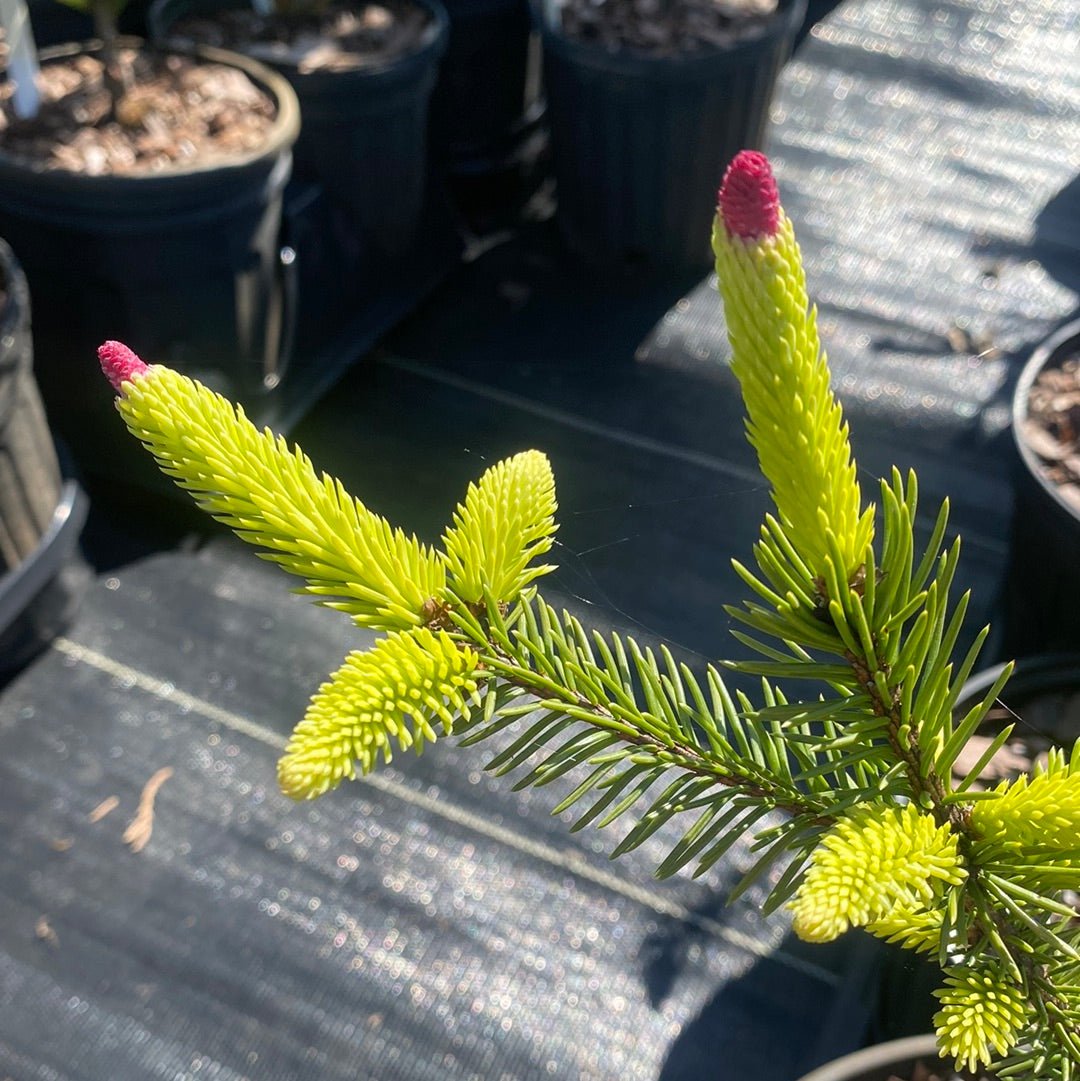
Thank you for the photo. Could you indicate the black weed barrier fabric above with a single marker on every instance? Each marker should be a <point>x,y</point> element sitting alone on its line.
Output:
<point>425,924</point>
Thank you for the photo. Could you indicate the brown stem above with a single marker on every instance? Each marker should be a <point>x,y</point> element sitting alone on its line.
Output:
<point>105,29</point>
<point>908,751</point>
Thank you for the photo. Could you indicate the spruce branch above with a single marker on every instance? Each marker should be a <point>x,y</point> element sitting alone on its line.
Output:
<point>635,723</point>
<point>846,777</point>
<point>873,861</point>
<point>982,1011</point>
<point>270,495</point>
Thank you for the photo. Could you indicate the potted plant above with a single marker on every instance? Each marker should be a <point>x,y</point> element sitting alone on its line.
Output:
<point>855,752</point>
<point>1044,579</point>
<point>646,103</point>
<point>363,72</point>
<point>144,192</point>
<point>42,576</point>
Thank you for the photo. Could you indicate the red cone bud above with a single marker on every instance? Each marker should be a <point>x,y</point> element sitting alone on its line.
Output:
<point>749,201</point>
<point>119,363</point>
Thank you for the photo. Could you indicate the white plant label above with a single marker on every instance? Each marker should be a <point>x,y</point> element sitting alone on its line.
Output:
<point>22,59</point>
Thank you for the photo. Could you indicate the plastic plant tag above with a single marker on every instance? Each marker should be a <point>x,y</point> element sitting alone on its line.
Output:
<point>22,60</point>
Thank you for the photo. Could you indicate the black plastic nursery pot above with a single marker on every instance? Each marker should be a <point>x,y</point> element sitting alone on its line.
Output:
<point>641,142</point>
<point>182,264</point>
<point>58,24</point>
<point>41,597</point>
<point>1043,583</point>
<point>364,133</point>
<point>55,24</point>
<point>29,470</point>
<point>487,96</point>
<point>42,576</point>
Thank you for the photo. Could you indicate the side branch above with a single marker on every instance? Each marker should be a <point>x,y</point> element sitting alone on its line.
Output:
<point>631,728</point>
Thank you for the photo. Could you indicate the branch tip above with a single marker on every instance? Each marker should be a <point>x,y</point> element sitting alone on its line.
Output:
<point>120,364</point>
<point>749,201</point>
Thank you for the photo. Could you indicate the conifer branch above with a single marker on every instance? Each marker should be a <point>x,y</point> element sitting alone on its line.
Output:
<point>874,828</point>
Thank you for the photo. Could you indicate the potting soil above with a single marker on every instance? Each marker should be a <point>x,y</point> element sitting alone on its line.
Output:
<point>174,112</point>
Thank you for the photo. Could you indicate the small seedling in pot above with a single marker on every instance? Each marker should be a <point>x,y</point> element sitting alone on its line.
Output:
<point>105,14</point>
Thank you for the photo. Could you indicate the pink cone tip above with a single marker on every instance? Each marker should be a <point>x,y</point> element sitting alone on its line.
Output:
<point>749,200</point>
<point>119,363</point>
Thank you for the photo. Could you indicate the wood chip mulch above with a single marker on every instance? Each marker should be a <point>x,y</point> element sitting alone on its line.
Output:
<point>335,37</point>
<point>175,111</point>
<point>1052,427</point>
<point>665,27</point>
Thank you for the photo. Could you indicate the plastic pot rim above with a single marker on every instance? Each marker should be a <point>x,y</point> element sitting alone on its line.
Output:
<point>854,1066</point>
<point>280,139</point>
<point>20,585</point>
<point>434,38</point>
<point>1037,672</point>
<point>631,62</point>
<point>1043,357</point>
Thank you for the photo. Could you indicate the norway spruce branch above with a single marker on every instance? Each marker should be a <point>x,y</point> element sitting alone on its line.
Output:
<point>848,779</point>
<point>827,593</point>
<point>889,619</point>
<point>654,706</point>
<point>636,725</point>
